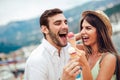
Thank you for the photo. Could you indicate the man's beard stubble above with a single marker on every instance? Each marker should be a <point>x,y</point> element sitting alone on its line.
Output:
<point>55,39</point>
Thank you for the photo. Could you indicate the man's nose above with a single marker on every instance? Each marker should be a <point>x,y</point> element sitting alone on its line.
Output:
<point>64,25</point>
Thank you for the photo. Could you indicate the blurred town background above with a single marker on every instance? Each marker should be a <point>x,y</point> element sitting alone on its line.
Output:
<point>19,38</point>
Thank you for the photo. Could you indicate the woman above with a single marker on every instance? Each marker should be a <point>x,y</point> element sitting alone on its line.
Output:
<point>97,54</point>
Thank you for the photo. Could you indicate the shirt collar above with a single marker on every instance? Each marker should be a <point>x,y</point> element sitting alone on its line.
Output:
<point>53,50</point>
<point>50,48</point>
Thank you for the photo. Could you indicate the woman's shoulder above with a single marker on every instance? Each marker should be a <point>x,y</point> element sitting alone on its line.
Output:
<point>108,58</point>
<point>107,66</point>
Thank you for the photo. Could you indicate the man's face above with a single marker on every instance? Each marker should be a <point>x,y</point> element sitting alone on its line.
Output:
<point>58,29</point>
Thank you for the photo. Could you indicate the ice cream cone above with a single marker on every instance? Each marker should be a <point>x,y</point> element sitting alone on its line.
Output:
<point>71,39</point>
<point>72,52</point>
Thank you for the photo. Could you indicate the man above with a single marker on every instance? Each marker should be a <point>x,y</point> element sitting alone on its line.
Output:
<point>46,62</point>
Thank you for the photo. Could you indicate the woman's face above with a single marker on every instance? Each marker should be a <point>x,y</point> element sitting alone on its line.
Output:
<point>89,34</point>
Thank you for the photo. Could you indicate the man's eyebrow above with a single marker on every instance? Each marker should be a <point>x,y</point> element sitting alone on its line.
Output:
<point>61,21</point>
<point>58,21</point>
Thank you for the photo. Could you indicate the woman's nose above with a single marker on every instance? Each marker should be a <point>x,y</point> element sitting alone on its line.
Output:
<point>83,31</point>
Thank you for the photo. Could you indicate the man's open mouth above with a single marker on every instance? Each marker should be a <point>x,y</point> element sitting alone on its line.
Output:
<point>63,34</point>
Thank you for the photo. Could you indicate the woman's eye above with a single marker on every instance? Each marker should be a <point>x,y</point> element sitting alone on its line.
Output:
<point>88,28</point>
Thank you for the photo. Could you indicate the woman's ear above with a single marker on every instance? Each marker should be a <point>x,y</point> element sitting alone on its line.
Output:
<point>44,29</point>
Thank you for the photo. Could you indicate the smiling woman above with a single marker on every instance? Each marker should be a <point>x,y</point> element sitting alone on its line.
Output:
<point>96,32</point>
<point>96,52</point>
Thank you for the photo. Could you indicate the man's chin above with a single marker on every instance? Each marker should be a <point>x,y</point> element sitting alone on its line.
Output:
<point>64,45</point>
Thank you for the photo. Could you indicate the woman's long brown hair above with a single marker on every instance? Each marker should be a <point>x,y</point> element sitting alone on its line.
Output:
<point>103,39</point>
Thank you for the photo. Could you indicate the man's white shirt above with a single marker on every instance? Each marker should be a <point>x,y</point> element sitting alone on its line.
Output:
<point>44,62</point>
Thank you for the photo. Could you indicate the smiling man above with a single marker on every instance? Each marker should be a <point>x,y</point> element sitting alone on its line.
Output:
<point>46,62</point>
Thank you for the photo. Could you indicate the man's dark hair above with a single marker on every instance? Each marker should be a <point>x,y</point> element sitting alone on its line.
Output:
<point>48,13</point>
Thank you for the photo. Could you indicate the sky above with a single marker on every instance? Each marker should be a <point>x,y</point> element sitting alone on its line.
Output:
<point>14,10</point>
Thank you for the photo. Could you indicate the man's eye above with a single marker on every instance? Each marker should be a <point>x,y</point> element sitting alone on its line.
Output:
<point>66,23</point>
<point>57,23</point>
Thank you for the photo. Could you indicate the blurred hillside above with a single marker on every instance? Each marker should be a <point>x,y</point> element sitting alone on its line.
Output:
<point>25,33</point>
<point>74,15</point>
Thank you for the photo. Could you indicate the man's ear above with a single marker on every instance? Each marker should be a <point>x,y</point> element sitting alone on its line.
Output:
<point>44,29</point>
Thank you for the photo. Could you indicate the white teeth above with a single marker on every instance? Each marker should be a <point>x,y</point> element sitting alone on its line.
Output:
<point>84,37</point>
<point>63,32</point>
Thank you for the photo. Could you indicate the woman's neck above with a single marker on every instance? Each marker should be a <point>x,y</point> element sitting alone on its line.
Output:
<point>95,49</point>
